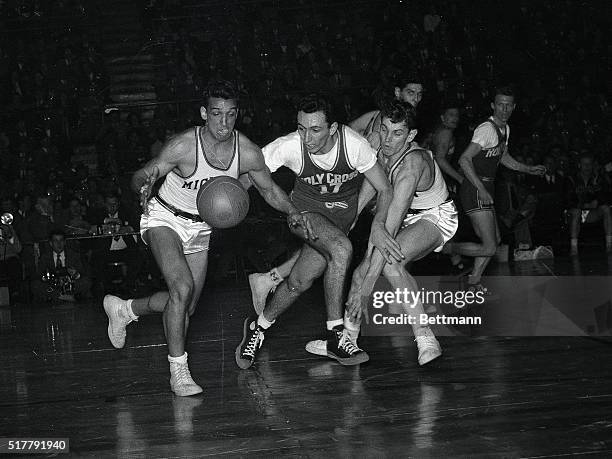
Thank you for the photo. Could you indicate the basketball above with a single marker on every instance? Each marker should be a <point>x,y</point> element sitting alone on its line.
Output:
<point>222,202</point>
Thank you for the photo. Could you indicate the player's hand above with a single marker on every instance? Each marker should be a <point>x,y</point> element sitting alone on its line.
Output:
<point>536,170</point>
<point>147,188</point>
<point>382,240</point>
<point>303,220</point>
<point>485,197</point>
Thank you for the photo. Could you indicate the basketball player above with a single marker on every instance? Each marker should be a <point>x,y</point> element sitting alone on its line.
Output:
<point>479,163</point>
<point>330,161</point>
<point>176,234</point>
<point>406,88</point>
<point>441,142</point>
<point>422,217</point>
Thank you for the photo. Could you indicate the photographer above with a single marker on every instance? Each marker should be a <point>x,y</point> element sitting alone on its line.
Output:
<point>10,263</point>
<point>61,274</point>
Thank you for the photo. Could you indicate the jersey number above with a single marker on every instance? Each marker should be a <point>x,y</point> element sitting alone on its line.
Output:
<point>335,188</point>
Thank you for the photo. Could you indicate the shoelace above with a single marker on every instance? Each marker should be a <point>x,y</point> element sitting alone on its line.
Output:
<point>347,345</point>
<point>254,343</point>
<point>426,340</point>
<point>182,374</point>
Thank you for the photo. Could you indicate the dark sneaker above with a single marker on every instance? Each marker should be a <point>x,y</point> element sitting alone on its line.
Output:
<point>252,339</point>
<point>343,349</point>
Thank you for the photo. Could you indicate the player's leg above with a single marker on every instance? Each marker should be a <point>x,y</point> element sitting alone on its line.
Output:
<point>263,283</point>
<point>417,240</point>
<point>309,266</point>
<point>485,227</point>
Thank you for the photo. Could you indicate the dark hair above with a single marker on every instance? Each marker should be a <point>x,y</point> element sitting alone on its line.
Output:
<point>317,102</point>
<point>398,112</point>
<point>56,232</point>
<point>504,90</point>
<point>222,89</point>
<point>404,78</point>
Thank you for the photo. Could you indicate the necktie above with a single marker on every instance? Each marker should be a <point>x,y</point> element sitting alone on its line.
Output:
<point>58,261</point>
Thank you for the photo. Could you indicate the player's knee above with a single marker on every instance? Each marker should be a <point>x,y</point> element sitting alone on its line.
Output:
<point>181,292</point>
<point>392,269</point>
<point>489,248</point>
<point>342,252</point>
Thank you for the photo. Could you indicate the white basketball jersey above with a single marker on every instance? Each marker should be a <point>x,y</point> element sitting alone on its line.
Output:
<point>433,196</point>
<point>181,192</point>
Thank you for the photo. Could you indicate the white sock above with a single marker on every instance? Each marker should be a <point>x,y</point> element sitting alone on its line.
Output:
<point>334,323</point>
<point>263,322</point>
<point>352,329</point>
<point>182,359</point>
<point>128,307</point>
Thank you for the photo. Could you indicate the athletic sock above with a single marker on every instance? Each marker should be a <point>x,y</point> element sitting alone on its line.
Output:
<point>352,329</point>
<point>263,322</point>
<point>130,312</point>
<point>334,323</point>
<point>181,360</point>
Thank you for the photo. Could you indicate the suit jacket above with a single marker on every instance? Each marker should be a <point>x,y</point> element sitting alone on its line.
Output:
<point>72,259</point>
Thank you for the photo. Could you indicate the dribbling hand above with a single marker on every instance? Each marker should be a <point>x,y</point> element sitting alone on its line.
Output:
<point>383,241</point>
<point>537,170</point>
<point>147,188</point>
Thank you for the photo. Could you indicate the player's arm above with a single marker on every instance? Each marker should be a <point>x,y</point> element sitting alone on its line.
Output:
<point>369,269</point>
<point>379,237</point>
<point>360,124</point>
<point>366,193</point>
<point>173,151</point>
<point>467,165</point>
<point>253,163</point>
<point>441,144</point>
<point>511,163</point>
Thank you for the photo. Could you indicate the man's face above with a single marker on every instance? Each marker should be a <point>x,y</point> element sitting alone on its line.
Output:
<point>412,93</point>
<point>112,205</point>
<point>315,131</point>
<point>450,118</point>
<point>220,116</point>
<point>586,166</point>
<point>57,243</point>
<point>503,106</point>
<point>395,136</point>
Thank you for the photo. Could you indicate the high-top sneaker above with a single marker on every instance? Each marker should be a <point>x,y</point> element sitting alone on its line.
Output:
<point>118,319</point>
<point>343,349</point>
<point>252,339</point>
<point>428,346</point>
<point>181,382</point>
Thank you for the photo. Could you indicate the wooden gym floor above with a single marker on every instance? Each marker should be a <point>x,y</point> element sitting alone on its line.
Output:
<point>485,397</point>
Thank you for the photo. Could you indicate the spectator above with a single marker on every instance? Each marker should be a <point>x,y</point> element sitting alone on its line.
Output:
<point>588,202</point>
<point>61,274</point>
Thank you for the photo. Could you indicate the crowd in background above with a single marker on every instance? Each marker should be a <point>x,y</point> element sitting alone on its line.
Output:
<point>54,91</point>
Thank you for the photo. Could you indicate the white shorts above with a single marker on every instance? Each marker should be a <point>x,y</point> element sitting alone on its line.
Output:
<point>195,236</point>
<point>444,216</point>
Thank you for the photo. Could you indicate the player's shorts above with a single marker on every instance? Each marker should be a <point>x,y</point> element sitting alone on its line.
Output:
<point>340,213</point>
<point>195,236</point>
<point>444,216</point>
<point>469,196</point>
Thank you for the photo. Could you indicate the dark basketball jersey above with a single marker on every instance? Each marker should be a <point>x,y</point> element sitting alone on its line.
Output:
<point>338,184</point>
<point>487,160</point>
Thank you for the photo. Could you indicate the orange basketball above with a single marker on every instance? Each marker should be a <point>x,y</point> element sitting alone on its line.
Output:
<point>222,202</point>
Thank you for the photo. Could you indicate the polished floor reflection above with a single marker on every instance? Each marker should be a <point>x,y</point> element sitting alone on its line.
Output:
<point>487,396</point>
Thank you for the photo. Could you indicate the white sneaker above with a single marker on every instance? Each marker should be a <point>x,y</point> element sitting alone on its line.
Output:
<point>118,319</point>
<point>181,382</point>
<point>261,285</point>
<point>317,347</point>
<point>428,346</point>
